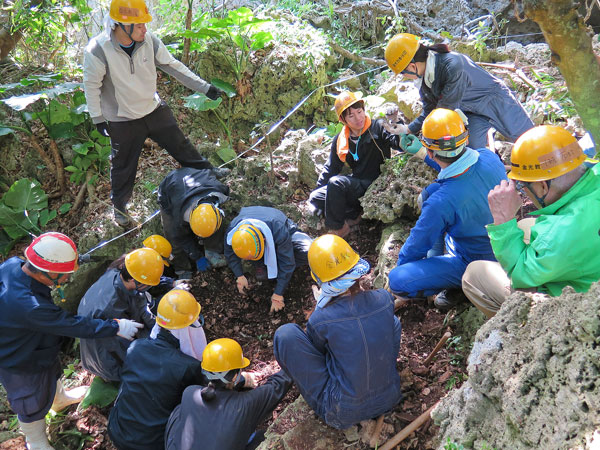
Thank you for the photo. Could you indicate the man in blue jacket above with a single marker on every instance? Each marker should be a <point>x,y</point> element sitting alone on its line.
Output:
<point>31,330</point>
<point>272,242</point>
<point>190,202</point>
<point>344,364</point>
<point>458,208</point>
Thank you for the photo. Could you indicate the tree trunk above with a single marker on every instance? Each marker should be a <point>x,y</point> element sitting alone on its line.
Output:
<point>8,41</point>
<point>571,44</point>
<point>186,41</point>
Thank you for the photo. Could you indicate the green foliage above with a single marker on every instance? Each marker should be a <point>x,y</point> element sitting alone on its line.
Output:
<point>399,162</point>
<point>23,210</point>
<point>451,445</point>
<point>457,346</point>
<point>101,394</point>
<point>556,103</point>
<point>240,32</point>
<point>92,154</point>
<point>333,129</point>
<point>455,380</point>
<point>43,24</point>
<point>71,369</point>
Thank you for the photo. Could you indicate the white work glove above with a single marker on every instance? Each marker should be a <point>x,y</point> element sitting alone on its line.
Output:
<point>250,380</point>
<point>395,128</point>
<point>242,284</point>
<point>182,284</point>
<point>277,303</point>
<point>128,328</point>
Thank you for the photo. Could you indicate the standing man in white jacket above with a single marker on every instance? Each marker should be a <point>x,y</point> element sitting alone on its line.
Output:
<point>119,78</point>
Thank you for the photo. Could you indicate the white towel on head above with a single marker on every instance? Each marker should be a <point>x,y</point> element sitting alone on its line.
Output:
<point>270,255</point>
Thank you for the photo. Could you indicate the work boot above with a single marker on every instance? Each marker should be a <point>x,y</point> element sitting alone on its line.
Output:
<point>35,435</point>
<point>260,272</point>
<point>221,172</point>
<point>63,398</point>
<point>341,232</point>
<point>121,217</point>
<point>445,302</point>
<point>215,259</point>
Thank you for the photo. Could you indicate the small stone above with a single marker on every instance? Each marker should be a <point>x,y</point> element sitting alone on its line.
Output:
<point>351,434</point>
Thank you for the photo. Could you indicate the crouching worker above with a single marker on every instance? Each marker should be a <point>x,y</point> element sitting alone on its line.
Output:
<point>31,330</point>
<point>560,246</point>
<point>220,416</point>
<point>120,293</point>
<point>272,241</point>
<point>189,209</point>
<point>155,374</point>
<point>456,207</point>
<point>344,364</point>
<point>364,145</point>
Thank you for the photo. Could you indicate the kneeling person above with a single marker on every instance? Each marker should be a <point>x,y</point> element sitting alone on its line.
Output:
<point>344,364</point>
<point>272,241</point>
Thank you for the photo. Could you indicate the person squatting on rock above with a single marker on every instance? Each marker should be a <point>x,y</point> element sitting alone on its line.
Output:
<point>120,293</point>
<point>156,372</point>
<point>119,79</point>
<point>452,80</point>
<point>274,244</point>
<point>31,331</point>
<point>344,364</point>
<point>456,207</point>
<point>221,416</point>
<point>558,247</point>
<point>364,145</point>
<point>190,202</point>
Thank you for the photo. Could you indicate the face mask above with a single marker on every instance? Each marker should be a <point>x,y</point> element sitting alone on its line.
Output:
<point>418,82</point>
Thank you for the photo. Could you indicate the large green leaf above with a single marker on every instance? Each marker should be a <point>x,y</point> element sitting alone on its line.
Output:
<point>100,394</point>
<point>12,222</point>
<point>226,154</point>
<point>226,87</point>
<point>58,112</point>
<point>6,243</point>
<point>260,39</point>
<point>62,130</point>
<point>26,194</point>
<point>5,130</point>
<point>200,102</point>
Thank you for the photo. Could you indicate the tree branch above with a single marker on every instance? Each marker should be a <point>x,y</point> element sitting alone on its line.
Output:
<point>347,54</point>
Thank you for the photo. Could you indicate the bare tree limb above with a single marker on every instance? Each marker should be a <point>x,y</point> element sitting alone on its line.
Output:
<point>347,54</point>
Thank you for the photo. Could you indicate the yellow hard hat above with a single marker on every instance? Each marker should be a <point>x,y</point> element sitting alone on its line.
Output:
<point>205,220</point>
<point>129,11</point>
<point>145,265</point>
<point>177,309</point>
<point>329,257</point>
<point>543,153</point>
<point>444,132</point>
<point>161,245</point>
<point>222,355</point>
<point>400,51</point>
<point>345,100</point>
<point>248,242</point>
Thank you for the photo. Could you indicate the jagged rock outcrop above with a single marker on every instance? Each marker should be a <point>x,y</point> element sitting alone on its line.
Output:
<point>533,377</point>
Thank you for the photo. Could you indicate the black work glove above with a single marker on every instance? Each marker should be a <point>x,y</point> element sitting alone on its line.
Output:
<point>102,128</point>
<point>213,92</point>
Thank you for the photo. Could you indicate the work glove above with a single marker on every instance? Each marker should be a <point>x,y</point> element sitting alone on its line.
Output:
<point>182,284</point>
<point>277,303</point>
<point>128,328</point>
<point>391,113</point>
<point>395,127</point>
<point>102,128</point>
<point>410,143</point>
<point>213,92</point>
<point>242,284</point>
<point>202,264</point>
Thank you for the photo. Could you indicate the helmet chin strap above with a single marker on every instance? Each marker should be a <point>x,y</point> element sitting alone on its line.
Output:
<point>128,33</point>
<point>56,284</point>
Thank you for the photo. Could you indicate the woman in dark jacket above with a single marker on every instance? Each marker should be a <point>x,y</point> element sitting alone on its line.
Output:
<point>453,81</point>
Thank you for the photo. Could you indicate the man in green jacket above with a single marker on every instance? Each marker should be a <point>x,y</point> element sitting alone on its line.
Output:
<point>561,246</point>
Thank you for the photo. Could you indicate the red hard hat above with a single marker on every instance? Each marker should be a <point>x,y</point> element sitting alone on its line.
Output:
<point>52,252</point>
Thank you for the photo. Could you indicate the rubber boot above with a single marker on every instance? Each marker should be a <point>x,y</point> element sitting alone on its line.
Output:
<point>35,435</point>
<point>63,398</point>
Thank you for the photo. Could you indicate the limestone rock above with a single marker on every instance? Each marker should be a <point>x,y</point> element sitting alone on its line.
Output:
<point>533,376</point>
<point>392,238</point>
<point>395,192</point>
<point>298,428</point>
